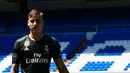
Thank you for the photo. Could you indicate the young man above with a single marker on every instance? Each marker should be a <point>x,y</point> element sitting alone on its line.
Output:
<point>33,52</point>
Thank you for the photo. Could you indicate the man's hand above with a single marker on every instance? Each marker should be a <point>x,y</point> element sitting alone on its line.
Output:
<point>61,66</point>
<point>14,68</point>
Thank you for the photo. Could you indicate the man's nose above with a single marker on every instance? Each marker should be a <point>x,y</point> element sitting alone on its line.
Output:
<point>35,23</point>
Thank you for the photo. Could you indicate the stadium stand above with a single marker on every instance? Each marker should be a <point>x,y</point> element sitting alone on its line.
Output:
<point>2,27</point>
<point>99,53</point>
<point>107,51</point>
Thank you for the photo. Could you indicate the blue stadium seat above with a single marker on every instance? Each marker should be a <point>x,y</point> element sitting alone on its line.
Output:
<point>3,25</point>
<point>2,57</point>
<point>9,68</point>
<point>19,28</point>
<point>73,59</point>
<point>109,51</point>
<point>5,50</point>
<point>97,66</point>
<point>127,67</point>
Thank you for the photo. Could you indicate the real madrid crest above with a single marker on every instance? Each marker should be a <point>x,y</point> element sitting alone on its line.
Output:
<point>26,44</point>
<point>46,49</point>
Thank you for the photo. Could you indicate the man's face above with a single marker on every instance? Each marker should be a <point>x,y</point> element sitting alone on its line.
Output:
<point>35,23</point>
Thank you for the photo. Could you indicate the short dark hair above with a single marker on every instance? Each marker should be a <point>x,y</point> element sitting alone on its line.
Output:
<point>35,12</point>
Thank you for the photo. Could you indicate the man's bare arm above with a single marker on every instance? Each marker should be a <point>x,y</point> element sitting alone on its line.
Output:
<point>14,68</point>
<point>61,66</point>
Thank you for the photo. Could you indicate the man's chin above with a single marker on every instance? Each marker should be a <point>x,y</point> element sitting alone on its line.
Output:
<point>35,31</point>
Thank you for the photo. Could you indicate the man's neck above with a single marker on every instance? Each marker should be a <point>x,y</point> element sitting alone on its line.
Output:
<point>35,36</point>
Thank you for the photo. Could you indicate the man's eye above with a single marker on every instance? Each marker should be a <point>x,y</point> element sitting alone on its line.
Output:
<point>32,21</point>
<point>37,21</point>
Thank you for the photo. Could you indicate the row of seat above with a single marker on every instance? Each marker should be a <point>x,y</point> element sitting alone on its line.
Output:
<point>105,47</point>
<point>97,66</point>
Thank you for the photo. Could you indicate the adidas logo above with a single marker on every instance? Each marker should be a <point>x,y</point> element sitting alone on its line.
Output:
<point>26,49</point>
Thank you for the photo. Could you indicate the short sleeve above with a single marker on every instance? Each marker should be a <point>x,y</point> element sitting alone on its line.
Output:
<point>16,53</point>
<point>57,52</point>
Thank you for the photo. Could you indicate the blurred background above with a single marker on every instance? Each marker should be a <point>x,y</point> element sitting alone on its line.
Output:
<point>94,34</point>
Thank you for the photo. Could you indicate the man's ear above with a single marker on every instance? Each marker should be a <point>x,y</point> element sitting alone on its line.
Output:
<point>28,23</point>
